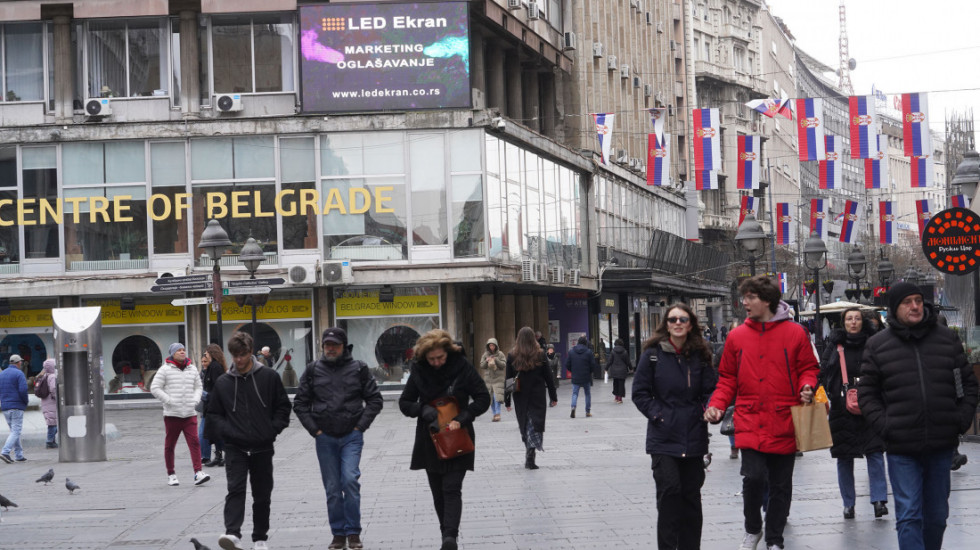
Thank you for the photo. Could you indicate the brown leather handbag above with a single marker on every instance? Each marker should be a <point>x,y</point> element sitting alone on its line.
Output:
<point>450,443</point>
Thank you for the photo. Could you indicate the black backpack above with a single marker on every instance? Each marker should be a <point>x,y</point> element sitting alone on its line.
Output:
<point>41,388</point>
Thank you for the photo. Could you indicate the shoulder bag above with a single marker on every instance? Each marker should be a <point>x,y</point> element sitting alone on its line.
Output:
<point>450,444</point>
<point>850,394</point>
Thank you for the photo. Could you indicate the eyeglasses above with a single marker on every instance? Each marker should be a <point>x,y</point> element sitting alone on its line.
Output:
<point>681,320</point>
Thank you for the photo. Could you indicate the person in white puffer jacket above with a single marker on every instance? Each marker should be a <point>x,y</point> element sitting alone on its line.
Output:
<point>178,386</point>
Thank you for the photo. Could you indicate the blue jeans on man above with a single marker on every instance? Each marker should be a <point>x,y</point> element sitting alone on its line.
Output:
<point>876,478</point>
<point>920,485</point>
<point>588,396</point>
<point>340,459</point>
<point>15,419</point>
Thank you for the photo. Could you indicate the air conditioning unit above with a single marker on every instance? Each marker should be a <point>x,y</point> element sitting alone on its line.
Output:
<point>543,272</point>
<point>659,96</point>
<point>635,4</point>
<point>515,4</point>
<point>621,156</point>
<point>171,273</point>
<point>647,90</point>
<point>301,275</point>
<point>611,63</point>
<point>529,270</point>
<point>624,71</point>
<point>636,82</point>
<point>598,50</point>
<point>571,41</point>
<point>98,106</point>
<point>479,102</point>
<point>228,103</point>
<point>533,11</point>
<point>558,275</point>
<point>660,24</point>
<point>574,277</point>
<point>634,163</point>
<point>337,273</point>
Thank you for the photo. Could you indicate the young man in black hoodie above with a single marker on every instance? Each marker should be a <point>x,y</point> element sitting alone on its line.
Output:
<point>247,409</point>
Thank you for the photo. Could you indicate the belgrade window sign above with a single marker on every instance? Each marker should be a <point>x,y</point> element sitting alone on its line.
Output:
<point>374,57</point>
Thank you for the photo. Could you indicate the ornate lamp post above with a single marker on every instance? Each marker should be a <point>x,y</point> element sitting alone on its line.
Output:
<point>815,258</point>
<point>214,242</point>
<point>885,271</point>
<point>751,238</point>
<point>966,180</point>
<point>251,256</point>
<point>912,275</point>
<point>856,263</point>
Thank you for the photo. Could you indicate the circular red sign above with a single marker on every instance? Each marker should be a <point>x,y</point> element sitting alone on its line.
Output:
<point>951,241</point>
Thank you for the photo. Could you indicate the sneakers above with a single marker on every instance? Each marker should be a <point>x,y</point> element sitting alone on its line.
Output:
<point>339,542</point>
<point>588,414</point>
<point>172,480</point>
<point>51,445</point>
<point>496,418</point>
<point>774,547</point>
<point>354,542</point>
<point>260,545</point>
<point>231,542</point>
<point>21,459</point>
<point>200,477</point>
<point>734,453</point>
<point>750,541</point>
<point>8,460</point>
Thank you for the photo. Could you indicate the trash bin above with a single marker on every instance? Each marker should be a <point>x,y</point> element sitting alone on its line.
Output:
<point>81,411</point>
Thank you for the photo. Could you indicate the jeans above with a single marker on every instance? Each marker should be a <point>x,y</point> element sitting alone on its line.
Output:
<point>206,443</point>
<point>15,419</point>
<point>52,433</point>
<point>447,496</point>
<point>340,458</point>
<point>876,478</point>
<point>920,485</point>
<point>679,516</point>
<point>239,466</point>
<point>757,469</point>
<point>175,426</point>
<point>494,404</point>
<point>588,395</point>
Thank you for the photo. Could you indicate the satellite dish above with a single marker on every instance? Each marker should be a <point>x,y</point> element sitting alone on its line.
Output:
<point>851,63</point>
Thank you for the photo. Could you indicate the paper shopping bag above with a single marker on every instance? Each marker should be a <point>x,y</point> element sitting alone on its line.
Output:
<point>812,427</point>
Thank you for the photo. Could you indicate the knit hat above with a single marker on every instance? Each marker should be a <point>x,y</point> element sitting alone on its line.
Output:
<point>334,335</point>
<point>899,292</point>
<point>175,347</point>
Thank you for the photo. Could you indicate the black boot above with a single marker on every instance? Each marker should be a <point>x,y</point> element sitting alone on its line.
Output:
<point>881,508</point>
<point>529,459</point>
<point>448,543</point>
<point>218,460</point>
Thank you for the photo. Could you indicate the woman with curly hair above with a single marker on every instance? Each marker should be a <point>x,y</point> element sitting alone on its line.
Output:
<point>213,365</point>
<point>528,366</point>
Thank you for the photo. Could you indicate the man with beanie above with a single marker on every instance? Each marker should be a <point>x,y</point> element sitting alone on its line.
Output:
<point>247,409</point>
<point>13,403</point>
<point>336,402</point>
<point>178,386</point>
<point>919,393</point>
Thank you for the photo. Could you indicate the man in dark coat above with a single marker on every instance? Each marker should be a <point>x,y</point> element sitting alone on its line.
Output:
<point>581,363</point>
<point>919,394</point>
<point>337,400</point>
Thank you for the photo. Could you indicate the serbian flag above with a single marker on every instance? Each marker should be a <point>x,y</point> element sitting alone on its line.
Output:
<point>851,225</point>
<point>749,159</point>
<point>705,180</point>
<point>922,213</point>
<point>604,128</point>
<point>876,169</point>
<point>707,139</point>
<point>915,125</point>
<point>818,217</point>
<point>863,121</point>
<point>771,107</point>
<point>784,224</point>
<point>748,207</point>
<point>658,160</point>
<point>832,168</point>
<point>657,117</point>
<point>781,277</point>
<point>810,125</point>
<point>922,171</point>
<point>886,218</point>
<point>959,201</point>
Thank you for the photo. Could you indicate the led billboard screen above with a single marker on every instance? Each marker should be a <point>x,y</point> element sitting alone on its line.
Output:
<point>371,57</point>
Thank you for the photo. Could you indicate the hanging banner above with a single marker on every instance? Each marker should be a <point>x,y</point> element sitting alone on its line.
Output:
<point>818,217</point>
<point>657,117</point>
<point>915,125</point>
<point>783,281</point>
<point>832,167</point>
<point>784,224</point>
<point>863,124</point>
<point>705,180</point>
<point>922,213</point>
<point>810,128</point>
<point>749,161</point>
<point>959,201</point>
<point>603,129</point>
<point>876,169</point>
<point>707,139</point>
<point>886,222</point>
<point>748,207</point>
<point>851,224</point>
<point>770,107</point>
<point>923,172</point>
<point>658,160</point>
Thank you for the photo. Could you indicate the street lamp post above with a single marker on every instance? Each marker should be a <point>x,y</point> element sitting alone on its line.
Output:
<point>912,275</point>
<point>251,256</point>
<point>885,271</point>
<point>815,258</point>
<point>214,241</point>
<point>965,181</point>
<point>751,238</point>
<point>856,263</point>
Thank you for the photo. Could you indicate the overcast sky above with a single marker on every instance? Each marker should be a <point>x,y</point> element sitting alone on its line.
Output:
<point>900,46</point>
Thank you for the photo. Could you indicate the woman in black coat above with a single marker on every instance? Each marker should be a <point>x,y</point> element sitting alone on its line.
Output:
<point>852,434</point>
<point>619,367</point>
<point>213,366</point>
<point>528,365</point>
<point>440,369</point>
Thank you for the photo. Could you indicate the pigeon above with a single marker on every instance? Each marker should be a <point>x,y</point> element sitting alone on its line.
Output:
<point>46,478</point>
<point>198,545</point>
<point>6,503</point>
<point>71,486</point>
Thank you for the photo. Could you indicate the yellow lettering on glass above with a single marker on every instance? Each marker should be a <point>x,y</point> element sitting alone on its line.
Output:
<point>259,213</point>
<point>380,199</point>
<point>166,207</point>
<point>238,201</point>
<point>291,211</point>
<point>3,222</point>
<point>98,205</point>
<point>25,208</point>
<point>217,202</point>
<point>56,211</point>
<point>365,199</point>
<point>308,201</point>
<point>75,202</point>
<point>334,200</point>
<point>118,208</point>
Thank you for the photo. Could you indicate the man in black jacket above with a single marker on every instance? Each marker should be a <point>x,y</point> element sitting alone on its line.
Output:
<point>918,392</point>
<point>336,402</point>
<point>247,409</point>
<point>581,363</point>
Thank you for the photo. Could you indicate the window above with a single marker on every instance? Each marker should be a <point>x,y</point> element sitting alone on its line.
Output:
<point>235,67</point>
<point>24,61</point>
<point>168,177</point>
<point>298,177</point>
<point>9,233</point>
<point>39,170</point>
<point>128,58</point>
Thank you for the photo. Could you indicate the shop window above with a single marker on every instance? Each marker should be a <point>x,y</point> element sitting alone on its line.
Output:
<point>468,227</point>
<point>24,69</point>
<point>250,218</point>
<point>9,235</point>
<point>297,173</point>
<point>429,220</point>
<point>168,179</point>
<point>39,171</point>
<point>135,360</point>
<point>235,64</point>
<point>128,58</point>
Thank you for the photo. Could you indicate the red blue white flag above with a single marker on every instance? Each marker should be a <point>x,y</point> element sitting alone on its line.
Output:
<point>851,225</point>
<point>818,217</point>
<point>658,160</point>
<point>781,277</point>
<point>922,171</point>
<point>876,169</point>
<point>749,160</point>
<point>810,126</point>
<point>863,123</point>
<point>922,213</point>
<point>657,117</point>
<point>748,207</point>
<point>832,167</point>
<point>886,217</point>
<point>705,180</point>
<point>959,201</point>
<point>604,128</point>
<point>771,107</point>
<point>915,125</point>
<point>707,139</point>
<point>784,224</point>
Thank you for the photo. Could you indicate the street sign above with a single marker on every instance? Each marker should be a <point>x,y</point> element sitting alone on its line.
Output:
<point>246,290</point>
<point>201,300</point>
<point>183,280</point>
<point>181,287</point>
<point>255,282</point>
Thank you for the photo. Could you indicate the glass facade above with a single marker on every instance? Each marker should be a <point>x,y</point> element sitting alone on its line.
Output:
<point>627,216</point>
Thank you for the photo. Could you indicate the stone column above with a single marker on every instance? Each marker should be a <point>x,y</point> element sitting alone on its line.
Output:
<point>532,109</point>
<point>524,307</point>
<point>514,106</point>
<point>190,71</point>
<point>484,321</point>
<point>547,107</point>
<point>478,69</point>
<point>496,94</point>
<point>198,335</point>
<point>541,315</point>
<point>505,322</point>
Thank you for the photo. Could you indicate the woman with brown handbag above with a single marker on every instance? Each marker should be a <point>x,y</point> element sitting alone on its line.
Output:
<point>441,376</point>
<point>528,366</point>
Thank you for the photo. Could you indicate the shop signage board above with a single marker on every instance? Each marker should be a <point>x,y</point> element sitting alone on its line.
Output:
<point>951,241</point>
<point>254,282</point>
<point>206,278</point>
<point>234,291</point>
<point>181,287</point>
<point>298,309</point>
<point>197,301</point>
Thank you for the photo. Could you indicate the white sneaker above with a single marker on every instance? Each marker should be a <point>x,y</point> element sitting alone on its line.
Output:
<point>172,480</point>
<point>774,547</point>
<point>230,542</point>
<point>750,541</point>
<point>200,477</point>
<point>260,545</point>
